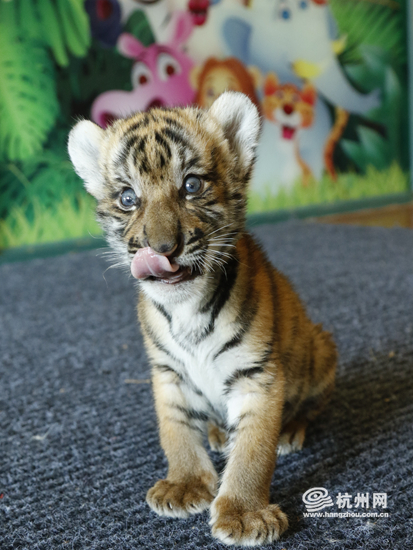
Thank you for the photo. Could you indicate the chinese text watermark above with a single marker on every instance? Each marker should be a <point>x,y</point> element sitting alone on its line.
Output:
<point>317,499</point>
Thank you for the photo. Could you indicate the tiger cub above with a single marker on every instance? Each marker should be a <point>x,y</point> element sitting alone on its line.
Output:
<point>231,347</point>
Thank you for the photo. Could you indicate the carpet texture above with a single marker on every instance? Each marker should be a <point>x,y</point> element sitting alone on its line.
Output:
<point>78,436</point>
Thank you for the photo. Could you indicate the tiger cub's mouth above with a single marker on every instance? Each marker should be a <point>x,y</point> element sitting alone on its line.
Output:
<point>148,265</point>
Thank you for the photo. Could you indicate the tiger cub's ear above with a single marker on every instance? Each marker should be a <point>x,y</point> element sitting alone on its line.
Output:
<point>85,140</point>
<point>240,122</point>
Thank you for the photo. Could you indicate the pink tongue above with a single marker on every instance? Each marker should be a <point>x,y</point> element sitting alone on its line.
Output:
<point>147,262</point>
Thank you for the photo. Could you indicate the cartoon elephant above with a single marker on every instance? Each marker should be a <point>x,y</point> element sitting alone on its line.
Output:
<point>160,76</point>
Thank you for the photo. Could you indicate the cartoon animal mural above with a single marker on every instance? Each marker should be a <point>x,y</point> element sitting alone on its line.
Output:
<point>217,76</point>
<point>157,12</point>
<point>160,76</point>
<point>105,20</point>
<point>290,109</point>
<point>207,15</point>
<point>297,39</point>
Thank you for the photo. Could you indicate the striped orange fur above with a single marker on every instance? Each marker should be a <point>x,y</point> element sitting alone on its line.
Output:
<point>232,350</point>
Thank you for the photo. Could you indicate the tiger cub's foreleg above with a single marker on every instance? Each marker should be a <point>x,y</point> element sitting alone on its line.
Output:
<point>191,482</point>
<point>241,513</point>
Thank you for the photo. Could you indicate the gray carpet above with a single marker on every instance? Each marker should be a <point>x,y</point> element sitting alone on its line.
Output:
<point>78,441</point>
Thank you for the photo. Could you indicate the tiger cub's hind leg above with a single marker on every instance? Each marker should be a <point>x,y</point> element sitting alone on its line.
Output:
<point>217,438</point>
<point>323,367</point>
<point>292,437</point>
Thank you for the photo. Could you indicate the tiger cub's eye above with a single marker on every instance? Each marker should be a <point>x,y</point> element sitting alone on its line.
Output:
<point>128,198</point>
<point>192,184</point>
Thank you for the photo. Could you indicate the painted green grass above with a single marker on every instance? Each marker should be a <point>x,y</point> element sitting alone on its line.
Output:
<point>72,219</point>
<point>68,220</point>
<point>349,186</point>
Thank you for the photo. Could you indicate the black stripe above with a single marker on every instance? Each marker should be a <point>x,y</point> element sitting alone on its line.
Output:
<point>129,144</point>
<point>215,214</point>
<point>176,137</point>
<point>234,342</point>
<point>117,230</point>
<point>192,414</point>
<point>213,298</point>
<point>203,195</point>
<point>202,215</point>
<point>182,379</point>
<point>242,373</point>
<point>236,196</point>
<point>159,346</point>
<point>196,247</point>
<point>143,164</point>
<point>213,202</point>
<point>173,122</point>
<point>193,161</point>
<point>225,286</point>
<point>167,368</point>
<point>266,355</point>
<point>248,315</point>
<point>198,234</point>
<point>184,423</point>
<point>222,289</point>
<point>132,128</point>
<point>162,310</point>
<point>104,215</point>
<point>213,176</point>
<point>141,145</point>
<point>248,310</point>
<point>231,430</point>
<point>159,139</point>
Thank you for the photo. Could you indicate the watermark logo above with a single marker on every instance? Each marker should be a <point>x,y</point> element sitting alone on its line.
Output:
<point>316,499</point>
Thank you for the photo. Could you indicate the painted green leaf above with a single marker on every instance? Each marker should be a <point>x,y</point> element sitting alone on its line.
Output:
<point>62,25</point>
<point>139,26</point>
<point>375,146</point>
<point>28,102</point>
<point>373,149</point>
<point>373,24</point>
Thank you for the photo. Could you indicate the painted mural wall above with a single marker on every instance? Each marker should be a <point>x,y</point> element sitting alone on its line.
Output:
<point>329,78</point>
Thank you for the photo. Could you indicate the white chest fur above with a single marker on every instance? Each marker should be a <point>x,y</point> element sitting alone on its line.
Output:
<point>196,351</point>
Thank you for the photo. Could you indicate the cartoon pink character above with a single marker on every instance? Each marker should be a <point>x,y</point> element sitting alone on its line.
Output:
<point>160,76</point>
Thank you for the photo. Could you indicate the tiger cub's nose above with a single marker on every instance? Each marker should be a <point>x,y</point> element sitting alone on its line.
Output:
<point>288,109</point>
<point>167,248</point>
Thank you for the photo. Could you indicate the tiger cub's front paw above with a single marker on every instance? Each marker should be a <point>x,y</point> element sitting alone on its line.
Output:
<point>233,525</point>
<point>179,499</point>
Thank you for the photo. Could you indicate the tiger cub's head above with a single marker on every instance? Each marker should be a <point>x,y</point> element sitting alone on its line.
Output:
<point>171,188</point>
